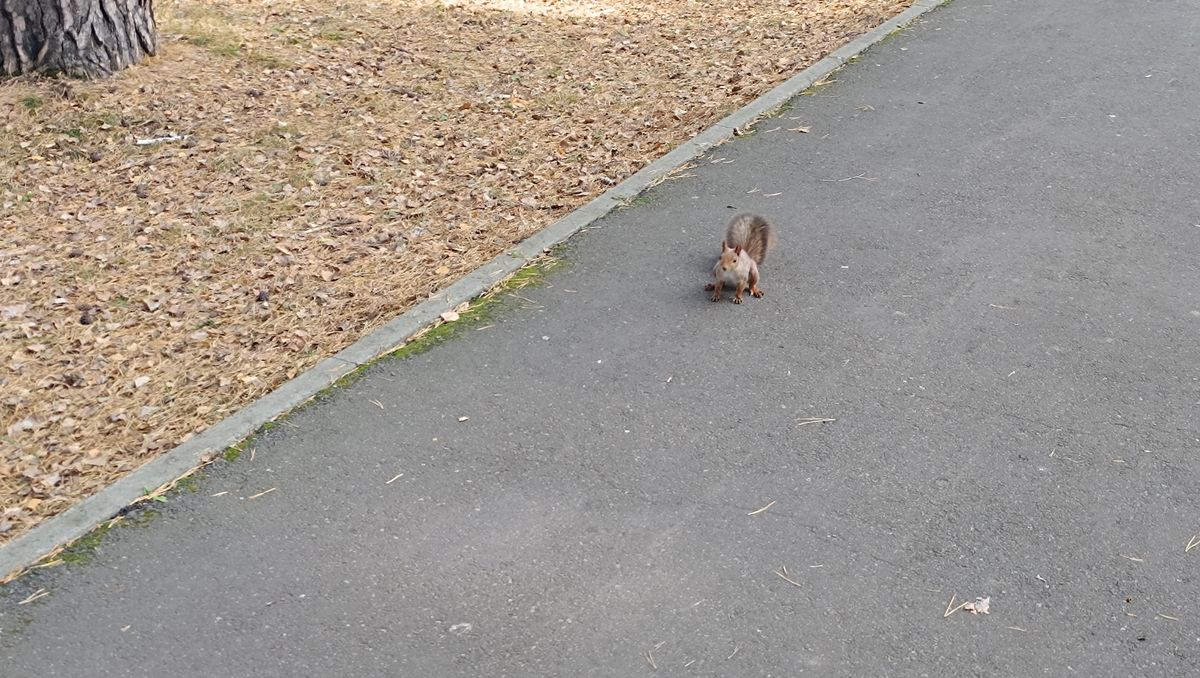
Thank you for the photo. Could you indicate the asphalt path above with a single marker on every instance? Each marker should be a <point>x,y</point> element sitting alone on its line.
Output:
<point>989,278</point>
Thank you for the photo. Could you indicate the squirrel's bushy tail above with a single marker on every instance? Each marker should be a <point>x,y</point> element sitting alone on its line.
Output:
<point>752,233</point>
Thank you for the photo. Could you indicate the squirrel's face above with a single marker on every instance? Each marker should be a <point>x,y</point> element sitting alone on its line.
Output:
<point>729,258</point>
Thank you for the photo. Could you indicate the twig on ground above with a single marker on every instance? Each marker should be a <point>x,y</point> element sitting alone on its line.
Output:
<point>158,140</point>
<point>307,231</point>
<point>783,574</point>
<point>758,511</point>
<point>256,496</point>
<point>525,299</point>
<point>804,421</point>
<point>158,494</point>
<point>950,605</point>
<point>398,476</point>
<point>40,593</point>
<point>677,173</point>
<point>838,181</point>
<point>1192,543</point>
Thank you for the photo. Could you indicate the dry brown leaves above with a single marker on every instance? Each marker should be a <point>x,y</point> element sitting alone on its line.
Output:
<point>340,162</point>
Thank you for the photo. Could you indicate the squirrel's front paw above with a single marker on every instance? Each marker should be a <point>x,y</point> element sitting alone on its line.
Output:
<point>757,294</point>
<point>715,297</point>
<point>737,300</point>
<point>710,286</point>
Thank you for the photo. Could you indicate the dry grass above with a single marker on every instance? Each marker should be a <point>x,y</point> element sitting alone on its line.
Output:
<point>341,162</point>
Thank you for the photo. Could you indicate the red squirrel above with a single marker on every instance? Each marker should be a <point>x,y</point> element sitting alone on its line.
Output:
<point>743,250</point>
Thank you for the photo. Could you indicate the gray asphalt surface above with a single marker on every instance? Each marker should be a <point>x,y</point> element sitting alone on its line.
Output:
<point>988,274</point>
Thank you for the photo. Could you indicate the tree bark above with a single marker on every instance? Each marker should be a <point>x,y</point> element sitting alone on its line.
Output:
<point>82,37</point>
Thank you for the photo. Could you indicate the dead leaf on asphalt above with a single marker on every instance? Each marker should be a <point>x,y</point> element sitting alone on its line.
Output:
<point>977,606</point>
<point>980,606</point>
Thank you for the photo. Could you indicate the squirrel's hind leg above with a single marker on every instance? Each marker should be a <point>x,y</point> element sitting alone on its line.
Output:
<point>754,289</point>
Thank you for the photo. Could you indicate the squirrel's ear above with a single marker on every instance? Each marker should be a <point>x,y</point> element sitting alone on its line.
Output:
<point>737,250</point>
<point>724,246</point>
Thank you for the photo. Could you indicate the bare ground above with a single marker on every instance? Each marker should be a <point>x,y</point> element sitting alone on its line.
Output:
<point>338,164</point>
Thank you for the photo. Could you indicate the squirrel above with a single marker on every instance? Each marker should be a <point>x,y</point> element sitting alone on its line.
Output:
<point>743,250</point>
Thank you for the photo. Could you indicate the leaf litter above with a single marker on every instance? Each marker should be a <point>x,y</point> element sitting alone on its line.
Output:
<point>317,168</point>
<point>978,606</point>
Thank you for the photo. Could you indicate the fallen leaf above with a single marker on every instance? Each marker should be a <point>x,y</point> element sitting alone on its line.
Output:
<point>980,606</point>
<point>450,316</point>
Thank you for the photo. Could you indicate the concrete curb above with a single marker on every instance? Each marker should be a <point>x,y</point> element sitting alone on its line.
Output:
<point>82,518</point>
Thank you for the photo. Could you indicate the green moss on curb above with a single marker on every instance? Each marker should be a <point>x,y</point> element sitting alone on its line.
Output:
<point>83,550</point>
<point>481,308</point>
<point>191,484</point>
<point>232,452</point>
<point>820,85</point>
<point>892,35</point>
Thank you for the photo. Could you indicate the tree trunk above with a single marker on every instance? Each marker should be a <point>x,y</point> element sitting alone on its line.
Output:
<point>81,37</point>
